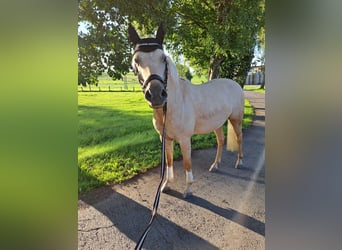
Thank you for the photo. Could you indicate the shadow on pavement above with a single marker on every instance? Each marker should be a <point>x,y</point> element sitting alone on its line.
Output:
<point>230,214</point>
<point>245,178</point>
<point>131,219</point>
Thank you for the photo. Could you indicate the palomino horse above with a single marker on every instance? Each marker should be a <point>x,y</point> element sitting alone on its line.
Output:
<point>191,109</point>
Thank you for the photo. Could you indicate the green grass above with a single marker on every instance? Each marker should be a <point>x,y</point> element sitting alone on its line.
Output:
<point>117,139</point>
<point>255,88</point>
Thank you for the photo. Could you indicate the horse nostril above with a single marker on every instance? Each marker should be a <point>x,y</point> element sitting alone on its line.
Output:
<point>148,95</point>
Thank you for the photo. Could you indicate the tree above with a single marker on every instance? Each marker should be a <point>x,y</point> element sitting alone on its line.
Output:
<point>236,67</point>
<point>215,32</point>
<point>261,47</point>
<point>184,71</point>
<point>105,47</point>
<point>214,36</point>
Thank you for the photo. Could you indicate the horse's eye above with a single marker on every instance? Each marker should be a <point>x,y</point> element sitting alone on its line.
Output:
<point>135,71</point>
<point>136,60</point>
<point>140,79</point>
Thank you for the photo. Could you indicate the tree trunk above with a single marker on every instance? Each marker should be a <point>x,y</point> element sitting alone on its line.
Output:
<point>214,67</point>
<point>262,86</point>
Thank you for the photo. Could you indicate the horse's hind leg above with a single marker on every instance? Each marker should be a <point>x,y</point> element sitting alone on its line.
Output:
<point>220,141</point>
<point>237,126</point>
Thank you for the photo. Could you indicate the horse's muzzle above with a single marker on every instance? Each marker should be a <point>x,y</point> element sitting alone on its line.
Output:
<point>155,94</point>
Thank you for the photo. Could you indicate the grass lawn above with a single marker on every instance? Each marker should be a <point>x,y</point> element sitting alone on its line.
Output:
<point>255,88</point>
<point>117,139</point>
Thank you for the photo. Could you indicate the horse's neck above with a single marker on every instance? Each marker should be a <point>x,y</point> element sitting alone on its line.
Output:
<point>175,90</point>
<point>173,110</point>
<point>158,119</point>
<point>174,86</point>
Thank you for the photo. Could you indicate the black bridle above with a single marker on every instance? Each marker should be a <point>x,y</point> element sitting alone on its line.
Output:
<point>148,47</point>
<point>155,77</point>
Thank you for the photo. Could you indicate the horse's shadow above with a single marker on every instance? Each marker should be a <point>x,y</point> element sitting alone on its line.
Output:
<point>228,213</point>
<point>258,179</point>
<point>131,219</point>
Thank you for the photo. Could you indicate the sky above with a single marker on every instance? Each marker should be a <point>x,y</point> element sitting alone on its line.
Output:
<point>82,27</point>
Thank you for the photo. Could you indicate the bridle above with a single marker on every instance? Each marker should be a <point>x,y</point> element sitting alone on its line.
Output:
<point>149,47</point>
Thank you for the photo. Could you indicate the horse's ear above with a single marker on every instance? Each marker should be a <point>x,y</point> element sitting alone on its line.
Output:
<point>133,35</point>
<point>160,34</point>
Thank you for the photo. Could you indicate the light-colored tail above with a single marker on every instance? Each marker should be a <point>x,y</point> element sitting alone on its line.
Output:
<point>232,144</point>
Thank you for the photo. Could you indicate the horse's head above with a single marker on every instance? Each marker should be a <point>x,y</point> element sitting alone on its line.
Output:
<point>149,63</point>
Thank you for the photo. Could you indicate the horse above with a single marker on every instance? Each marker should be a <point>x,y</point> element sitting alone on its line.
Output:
<point>191,109</point>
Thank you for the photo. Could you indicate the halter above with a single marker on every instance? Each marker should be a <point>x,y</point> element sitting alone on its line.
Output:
<point>149,47</point>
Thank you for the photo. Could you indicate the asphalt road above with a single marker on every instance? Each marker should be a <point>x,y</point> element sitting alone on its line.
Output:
<point>227,210</point>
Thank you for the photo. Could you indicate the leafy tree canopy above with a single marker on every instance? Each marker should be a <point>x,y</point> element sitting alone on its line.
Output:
<point>214,36</point>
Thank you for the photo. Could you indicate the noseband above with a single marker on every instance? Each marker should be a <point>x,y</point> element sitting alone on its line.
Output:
<point>155,77</point>
<point>149,47</point>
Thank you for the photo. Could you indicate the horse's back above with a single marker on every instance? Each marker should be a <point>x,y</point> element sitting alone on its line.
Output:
<point>212,103</point>
<point>225,84</point>
<point>221,91</point>
<point>232,90</point>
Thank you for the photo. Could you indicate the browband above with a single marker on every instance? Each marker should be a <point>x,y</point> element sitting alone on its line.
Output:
<point>149,44</point>
<point>147,47</point>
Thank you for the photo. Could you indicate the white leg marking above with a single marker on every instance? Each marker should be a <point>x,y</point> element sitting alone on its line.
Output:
<point>165,187</point>
<point>169,174</point>
<point>169,178</point>
<point>189,180</point>
<point>189,177</point>
<point>238,163</point>
<point>214,166</point>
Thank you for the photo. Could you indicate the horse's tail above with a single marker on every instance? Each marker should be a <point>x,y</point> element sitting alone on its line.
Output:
<point>232,144</point>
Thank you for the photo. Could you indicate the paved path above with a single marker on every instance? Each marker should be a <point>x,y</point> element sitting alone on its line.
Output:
<point>227,210</point>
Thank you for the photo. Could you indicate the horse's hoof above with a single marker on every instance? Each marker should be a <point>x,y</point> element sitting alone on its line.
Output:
<point>214,167</point>
<point>188,192</point>
<point>165,187</point>
<point>238,163</point>
<point>187,195</point>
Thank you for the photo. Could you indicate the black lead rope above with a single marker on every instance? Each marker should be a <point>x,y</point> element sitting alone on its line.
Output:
<point>156,199</point>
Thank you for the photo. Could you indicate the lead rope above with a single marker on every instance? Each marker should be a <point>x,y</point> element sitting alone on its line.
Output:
<point>157,197</point>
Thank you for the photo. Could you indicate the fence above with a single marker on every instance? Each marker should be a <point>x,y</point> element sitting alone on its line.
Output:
<point>109,88</point>
<point>106,84</point>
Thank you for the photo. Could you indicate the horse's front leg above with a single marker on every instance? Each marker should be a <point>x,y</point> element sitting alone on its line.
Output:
<point>185,145</point>
<point>169,162</point>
